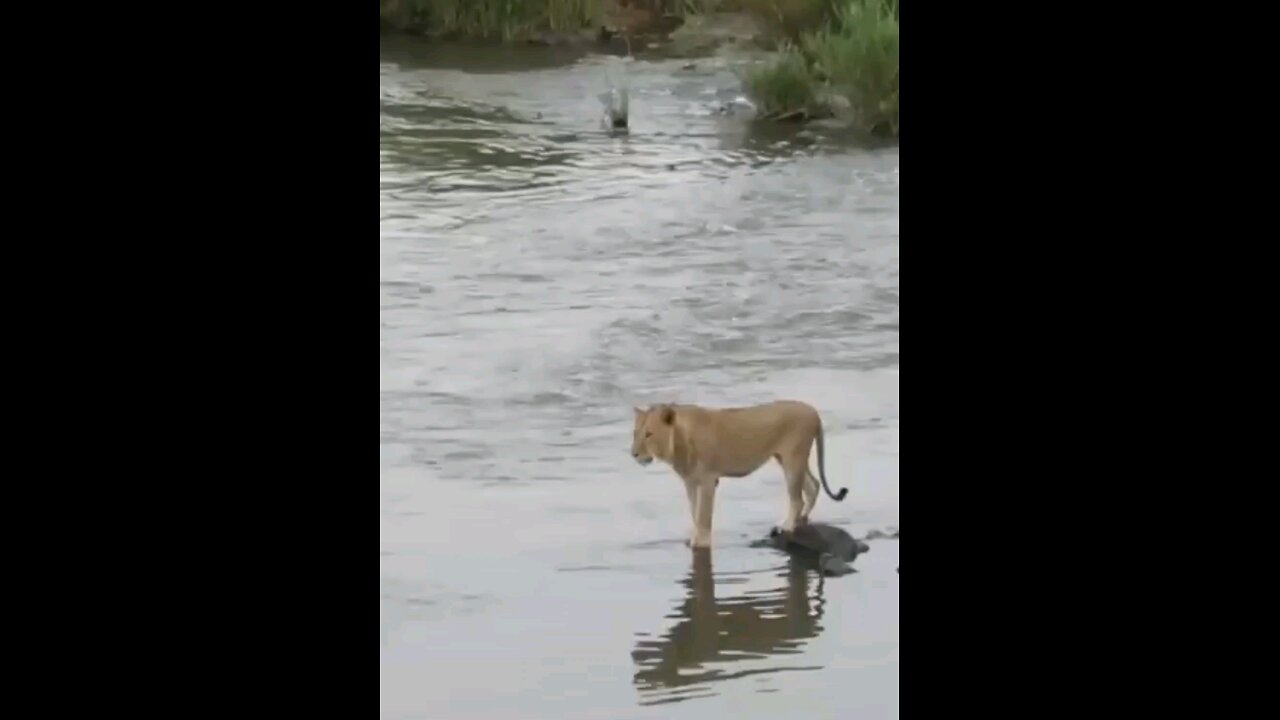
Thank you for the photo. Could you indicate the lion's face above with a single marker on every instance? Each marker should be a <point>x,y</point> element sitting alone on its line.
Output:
<point>652,435</point>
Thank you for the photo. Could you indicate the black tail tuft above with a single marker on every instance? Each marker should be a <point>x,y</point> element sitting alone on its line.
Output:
<point>840,495</point>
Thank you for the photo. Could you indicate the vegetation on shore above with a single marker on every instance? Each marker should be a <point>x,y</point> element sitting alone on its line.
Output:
<point>488,19</point>
<point>846,64</point>
<point>514,19</point>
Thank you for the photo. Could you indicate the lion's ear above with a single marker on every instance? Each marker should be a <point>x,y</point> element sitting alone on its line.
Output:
<point>638,411</point>
<point>668,414</point>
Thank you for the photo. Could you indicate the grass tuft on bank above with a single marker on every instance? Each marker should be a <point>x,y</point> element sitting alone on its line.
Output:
<point>846,64</point>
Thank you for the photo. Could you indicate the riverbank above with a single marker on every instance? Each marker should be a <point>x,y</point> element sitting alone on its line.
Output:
<point>525,20</point>
<point>830,59</point>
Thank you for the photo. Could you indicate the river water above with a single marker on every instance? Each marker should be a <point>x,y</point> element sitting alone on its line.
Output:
<point>539,277</point>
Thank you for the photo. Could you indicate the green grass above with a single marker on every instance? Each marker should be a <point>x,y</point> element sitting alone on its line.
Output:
<point>508,19</point>
<point>565,15</point>
<point>785,86</point>
<point>403,14</point>
<point>853,54</point>
<point>789,20</point>
<point>684,8</point>
<point>857,56</point>
<point>489,19</point>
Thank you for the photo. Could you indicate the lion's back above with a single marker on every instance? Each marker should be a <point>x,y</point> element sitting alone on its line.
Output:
<point>739,439</point>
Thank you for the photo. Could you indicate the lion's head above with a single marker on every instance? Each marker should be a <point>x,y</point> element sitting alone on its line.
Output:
<point>652,435</point>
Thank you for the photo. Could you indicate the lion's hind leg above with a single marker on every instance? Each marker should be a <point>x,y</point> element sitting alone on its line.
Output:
<point>811,489</point>
<point>795,494</point>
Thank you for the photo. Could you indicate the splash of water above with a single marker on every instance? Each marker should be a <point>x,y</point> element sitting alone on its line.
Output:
<point>616,104</point>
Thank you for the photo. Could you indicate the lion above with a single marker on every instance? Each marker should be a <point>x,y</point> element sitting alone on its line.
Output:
<point>704,444</point>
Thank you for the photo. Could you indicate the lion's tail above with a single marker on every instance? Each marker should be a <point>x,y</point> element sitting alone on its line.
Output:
<point>822,469</point>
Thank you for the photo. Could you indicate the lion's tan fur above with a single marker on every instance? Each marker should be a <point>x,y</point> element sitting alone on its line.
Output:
<point>705,444</point>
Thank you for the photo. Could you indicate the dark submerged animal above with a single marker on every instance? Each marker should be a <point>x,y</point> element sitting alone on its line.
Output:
<point>827,548</point>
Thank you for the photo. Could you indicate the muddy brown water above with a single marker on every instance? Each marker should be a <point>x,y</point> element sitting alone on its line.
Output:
<point>537,278</point>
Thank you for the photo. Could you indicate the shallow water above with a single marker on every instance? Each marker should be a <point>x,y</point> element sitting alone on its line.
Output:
<point>537,278</point>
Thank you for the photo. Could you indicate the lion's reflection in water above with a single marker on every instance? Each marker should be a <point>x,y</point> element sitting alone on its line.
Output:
<point>711,634</point>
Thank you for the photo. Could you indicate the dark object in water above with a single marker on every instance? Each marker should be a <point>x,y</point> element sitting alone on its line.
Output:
<point>828,548</point>
<point>615,108</point>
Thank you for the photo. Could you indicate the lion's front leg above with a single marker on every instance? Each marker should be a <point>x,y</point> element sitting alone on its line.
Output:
<point>691,492</point>
<point>706,502</point>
